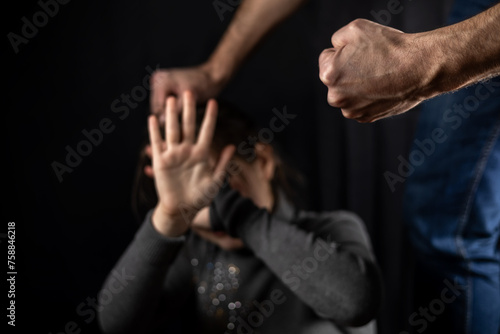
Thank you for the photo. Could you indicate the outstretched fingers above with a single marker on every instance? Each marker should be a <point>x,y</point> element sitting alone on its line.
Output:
<point>188,118</point>
<point>172,133</point>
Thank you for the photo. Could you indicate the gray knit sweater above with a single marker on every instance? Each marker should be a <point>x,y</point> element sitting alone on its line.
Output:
<point>300,272</point>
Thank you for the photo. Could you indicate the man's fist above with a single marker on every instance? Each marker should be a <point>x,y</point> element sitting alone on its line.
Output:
<point>373,71</point>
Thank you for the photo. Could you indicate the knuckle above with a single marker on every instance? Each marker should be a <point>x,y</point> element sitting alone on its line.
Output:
<point>347,113</point>
<point>336,99</point>
<point>325,74</point>
<point>357,24</point>
<point>324,77</point>
<point>323,55</point>
<point>358,116</point>
<point>364,120</point>
<point>159,77</point>
<point>156,74</point>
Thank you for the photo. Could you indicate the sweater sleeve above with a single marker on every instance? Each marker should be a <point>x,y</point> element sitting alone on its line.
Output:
<point>326,260</point>
<point>149,275</point>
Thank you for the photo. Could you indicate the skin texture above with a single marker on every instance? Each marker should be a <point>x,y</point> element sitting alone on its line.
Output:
<point>373,71</point>
<point>366,72</point>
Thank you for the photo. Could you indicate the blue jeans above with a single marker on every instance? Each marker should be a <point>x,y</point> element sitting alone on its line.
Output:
<point>452,210</point>
<point>452,206</point>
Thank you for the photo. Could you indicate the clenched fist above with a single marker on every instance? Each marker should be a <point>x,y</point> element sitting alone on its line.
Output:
<point>373,71</point>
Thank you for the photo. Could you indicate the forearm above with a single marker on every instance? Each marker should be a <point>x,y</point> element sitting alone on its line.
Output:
<point>328,266</point>
<point>251,22</point>
<point>463,53</point>
<point>135,297</point>
<point>337,283</point>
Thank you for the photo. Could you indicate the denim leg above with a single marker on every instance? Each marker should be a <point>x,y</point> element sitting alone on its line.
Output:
<point>478,240</point>
<point>452,208</point>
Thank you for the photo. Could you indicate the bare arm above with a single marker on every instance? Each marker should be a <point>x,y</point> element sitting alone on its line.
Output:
<point>252,21</point>
<point>467,52</point>
<point>374,71</point>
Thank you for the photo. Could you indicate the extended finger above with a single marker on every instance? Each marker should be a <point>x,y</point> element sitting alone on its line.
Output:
<point>154,135</point>
<point>208,125</point>
<point>188,117</point>
<point>171,123</point>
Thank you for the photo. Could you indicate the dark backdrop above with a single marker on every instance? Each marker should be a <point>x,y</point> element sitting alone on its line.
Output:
<point>65,78</point>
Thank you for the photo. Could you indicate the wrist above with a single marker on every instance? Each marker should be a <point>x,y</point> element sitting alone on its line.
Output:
<point>425,66</point>
<point>169,225</point>
<point>218,72</point>
<point>448,63</point>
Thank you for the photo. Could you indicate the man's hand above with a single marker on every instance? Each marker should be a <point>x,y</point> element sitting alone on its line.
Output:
<point>182,170</point>
<point>374,71</point>
<point>252,21</point>
<point>202,81</point>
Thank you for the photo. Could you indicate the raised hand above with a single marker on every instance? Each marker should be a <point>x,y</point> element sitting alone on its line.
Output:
<point>183,169</point>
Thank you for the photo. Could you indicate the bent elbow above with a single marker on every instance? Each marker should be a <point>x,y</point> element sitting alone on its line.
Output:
<point>365,302</point>
<point>106,322</point>
<point>361,315</point>
<point>357,301</point>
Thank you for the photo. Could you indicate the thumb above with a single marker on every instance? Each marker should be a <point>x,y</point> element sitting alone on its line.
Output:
<point>349,33</point>
<point>342,37</point>
<point>325,63</point>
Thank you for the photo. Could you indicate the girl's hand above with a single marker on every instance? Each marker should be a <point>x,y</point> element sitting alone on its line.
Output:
<point>184,176</point>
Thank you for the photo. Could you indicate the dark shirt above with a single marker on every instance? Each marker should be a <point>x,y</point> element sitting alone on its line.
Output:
<point>299,272</point>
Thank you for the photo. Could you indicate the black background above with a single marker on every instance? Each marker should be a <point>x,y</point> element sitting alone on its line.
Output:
<point>64,80</point>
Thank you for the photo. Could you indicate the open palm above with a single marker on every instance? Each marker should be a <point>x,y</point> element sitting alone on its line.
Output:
<point>182,169</point>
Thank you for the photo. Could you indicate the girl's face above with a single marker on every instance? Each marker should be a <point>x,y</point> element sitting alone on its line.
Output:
<point>251,180</point>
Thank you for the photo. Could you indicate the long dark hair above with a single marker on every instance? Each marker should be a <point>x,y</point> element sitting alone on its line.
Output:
<point>233,127</point>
